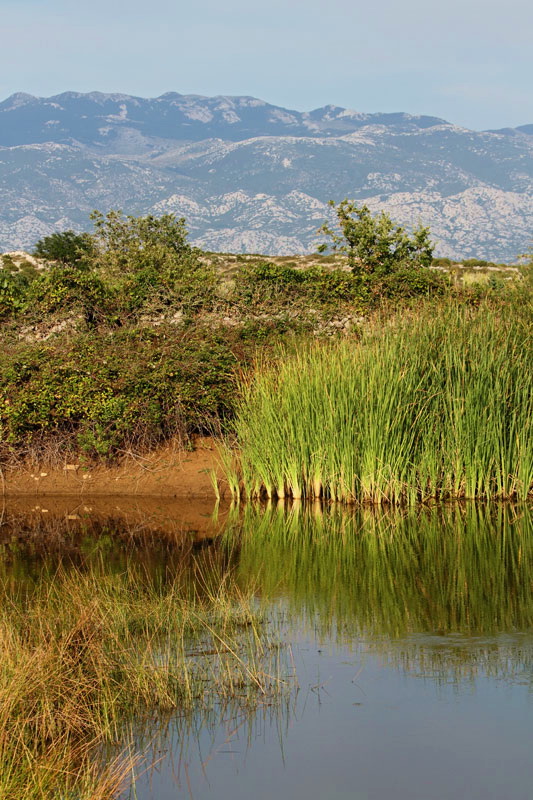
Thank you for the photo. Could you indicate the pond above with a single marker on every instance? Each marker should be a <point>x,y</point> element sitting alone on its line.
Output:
<point>408,648</point>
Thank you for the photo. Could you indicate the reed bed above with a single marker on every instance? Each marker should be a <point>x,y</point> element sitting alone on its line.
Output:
<point>88,656</point>
<point>432,407</point>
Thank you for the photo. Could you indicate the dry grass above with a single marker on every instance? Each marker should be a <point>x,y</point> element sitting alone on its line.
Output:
<point>86,655</point>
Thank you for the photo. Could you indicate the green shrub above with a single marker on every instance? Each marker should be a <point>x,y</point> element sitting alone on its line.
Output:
<point>8,263</point>
<point>257,283</point>
<point>152,263</point>
<point>68,289</point>
<point>161,284</point>
<point>408,282</point>
<point>130,266</point>
<point>106,391</point>
<point>476,262</point>
<point>13,292</point>
<point>330,286</point>
<point>267,332</point>
<point>267,283</point>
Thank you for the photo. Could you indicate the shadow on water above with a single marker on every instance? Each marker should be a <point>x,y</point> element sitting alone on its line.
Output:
<point>381,610</point>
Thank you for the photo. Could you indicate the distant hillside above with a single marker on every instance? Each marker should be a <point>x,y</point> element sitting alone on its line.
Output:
<point>253,177</point>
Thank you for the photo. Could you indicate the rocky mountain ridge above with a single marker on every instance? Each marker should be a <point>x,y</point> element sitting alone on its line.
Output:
<point>253,177</point>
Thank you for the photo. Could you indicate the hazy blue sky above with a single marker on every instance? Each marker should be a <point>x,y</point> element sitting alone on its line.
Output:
<point>470,61</point>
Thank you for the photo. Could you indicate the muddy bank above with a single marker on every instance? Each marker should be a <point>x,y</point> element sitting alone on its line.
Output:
<point>168,472</point>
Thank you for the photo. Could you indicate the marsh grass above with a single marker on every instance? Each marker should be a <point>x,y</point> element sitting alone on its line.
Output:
<point>88,655</point>
<point>431,406</point>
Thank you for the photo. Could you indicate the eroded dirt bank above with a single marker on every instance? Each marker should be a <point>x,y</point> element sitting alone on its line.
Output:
<point>168,472</point>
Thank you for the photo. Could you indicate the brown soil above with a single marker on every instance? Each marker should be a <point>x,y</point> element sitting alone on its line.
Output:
<point>169,472</point>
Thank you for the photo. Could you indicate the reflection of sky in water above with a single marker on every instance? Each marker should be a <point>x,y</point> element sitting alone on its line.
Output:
<point>362,728</point>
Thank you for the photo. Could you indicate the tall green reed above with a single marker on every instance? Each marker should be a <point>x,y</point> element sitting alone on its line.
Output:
<point>434,406</point>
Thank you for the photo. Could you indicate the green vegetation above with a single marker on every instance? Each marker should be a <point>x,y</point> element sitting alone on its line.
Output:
<point>442,592</point>
<point>375,244</point>
<point>140,642</point>
<point>128,337</point>
<point>437,406</point>
<point>16,278</point>
<point>440,261</point>
<point>98,394</point>
<point>527,266</point>
<point>152,263</point>
<point>384,383</point>
<point>88,656</point>
<point>65,247</point>
<point>13,290</point>
<point>264,283</point>
<point>130,266</point>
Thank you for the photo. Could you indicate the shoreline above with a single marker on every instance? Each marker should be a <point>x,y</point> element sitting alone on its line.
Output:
<point>166,472</point>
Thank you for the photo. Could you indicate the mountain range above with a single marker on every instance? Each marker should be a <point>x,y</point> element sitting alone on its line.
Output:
<point>253,177</point>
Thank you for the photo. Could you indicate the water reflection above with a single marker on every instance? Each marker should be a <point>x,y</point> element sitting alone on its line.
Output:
<point>443,593</point>
<point>460,569</point>
<point>411,634</point>
<point>434,591</point>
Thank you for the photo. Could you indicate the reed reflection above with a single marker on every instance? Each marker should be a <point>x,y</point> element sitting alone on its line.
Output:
<point>443,592</point>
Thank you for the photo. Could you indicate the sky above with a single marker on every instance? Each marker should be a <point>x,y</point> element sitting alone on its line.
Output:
<point>468,61</point>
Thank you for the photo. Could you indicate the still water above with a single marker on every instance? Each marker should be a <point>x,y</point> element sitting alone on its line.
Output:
<point>408,654</point>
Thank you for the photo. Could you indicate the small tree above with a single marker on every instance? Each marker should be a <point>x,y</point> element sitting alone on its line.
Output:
<point>375,244</point>
<point>151,260</point>
<point>65,248</point>
<point>127,243</point>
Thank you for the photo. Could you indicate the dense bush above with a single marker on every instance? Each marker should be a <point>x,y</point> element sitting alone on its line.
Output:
<point>336,285</point>
<point>71,290</point>
<point>100,393</point>
<point>65,247</point>
<point>152,263</point>
<point>411,282</point>
<point>267,283</point>
<point>130,267</point>
<point>13,291</point>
